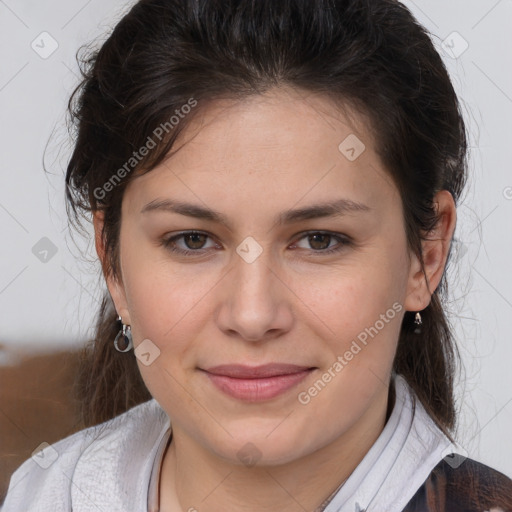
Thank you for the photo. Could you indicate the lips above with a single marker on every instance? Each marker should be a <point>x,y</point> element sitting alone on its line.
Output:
<point>256,372</point>
<point>256,383</point>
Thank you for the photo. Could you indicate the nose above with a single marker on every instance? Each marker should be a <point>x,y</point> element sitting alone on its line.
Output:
<point>255,300</point>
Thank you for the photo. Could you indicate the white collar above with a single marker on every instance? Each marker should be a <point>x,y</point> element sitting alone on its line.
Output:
<point>398,463</point>
<point>113,471</point>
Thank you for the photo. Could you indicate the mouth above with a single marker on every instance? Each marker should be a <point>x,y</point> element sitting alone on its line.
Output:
<point>256,383</point>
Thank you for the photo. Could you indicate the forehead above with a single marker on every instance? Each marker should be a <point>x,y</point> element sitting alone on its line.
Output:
<point>281,120</point>
<point>283,142</point>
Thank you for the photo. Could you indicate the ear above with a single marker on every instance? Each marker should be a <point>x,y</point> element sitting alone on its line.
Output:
<point>435,253</point>
<point>115,287</point>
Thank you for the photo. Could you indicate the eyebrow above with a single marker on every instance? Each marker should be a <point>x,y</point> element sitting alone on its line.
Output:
<point>335,208</point>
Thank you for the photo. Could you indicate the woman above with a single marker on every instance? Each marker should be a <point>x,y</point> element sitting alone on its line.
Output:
<point>273,189</point>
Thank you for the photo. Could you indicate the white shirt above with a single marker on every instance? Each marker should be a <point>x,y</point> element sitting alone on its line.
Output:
<point>115,466</point>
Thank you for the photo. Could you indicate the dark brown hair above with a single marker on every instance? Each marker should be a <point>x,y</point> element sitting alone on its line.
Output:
<point>371,54</point>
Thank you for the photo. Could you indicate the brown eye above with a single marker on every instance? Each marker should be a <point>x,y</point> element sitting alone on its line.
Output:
<point>194,243</point>
<point>194,240</point>
<point>321,242</point>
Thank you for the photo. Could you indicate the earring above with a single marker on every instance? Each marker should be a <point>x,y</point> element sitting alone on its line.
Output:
<point>125,336</point>
<point>418,322</point>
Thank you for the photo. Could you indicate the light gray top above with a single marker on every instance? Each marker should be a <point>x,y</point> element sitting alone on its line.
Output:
<point>115,466</point>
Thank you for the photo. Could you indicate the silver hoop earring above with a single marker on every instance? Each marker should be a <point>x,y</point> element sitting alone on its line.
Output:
<point>418,322</point>
<point>123,338</point>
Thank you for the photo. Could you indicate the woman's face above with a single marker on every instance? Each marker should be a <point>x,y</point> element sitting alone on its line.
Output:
<point>265,281</point>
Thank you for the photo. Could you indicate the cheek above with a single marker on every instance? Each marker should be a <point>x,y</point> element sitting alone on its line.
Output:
<point>167,303</point>
<point>169,309</point>
<point>165,307</point>
<point>346,301</point>
<point>361,313</point>
<point>358,312</point>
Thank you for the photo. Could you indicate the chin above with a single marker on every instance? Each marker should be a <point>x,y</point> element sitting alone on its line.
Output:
<point>259,447</point>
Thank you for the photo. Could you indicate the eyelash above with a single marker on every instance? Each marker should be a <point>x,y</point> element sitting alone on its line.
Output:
<point>168,243</point>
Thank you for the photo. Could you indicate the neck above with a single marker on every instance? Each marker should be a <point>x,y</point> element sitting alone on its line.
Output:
<point>195,479</point>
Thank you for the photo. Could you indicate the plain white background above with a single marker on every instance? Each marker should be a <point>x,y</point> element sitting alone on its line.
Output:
<point>50,304</point>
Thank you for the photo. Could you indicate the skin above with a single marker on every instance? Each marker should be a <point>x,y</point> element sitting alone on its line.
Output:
<point>251,160</point>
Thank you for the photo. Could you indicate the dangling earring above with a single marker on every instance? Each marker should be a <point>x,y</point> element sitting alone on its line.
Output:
<point>418,322</point>
<point>125,336</point>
